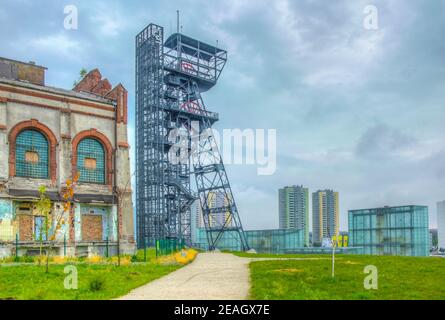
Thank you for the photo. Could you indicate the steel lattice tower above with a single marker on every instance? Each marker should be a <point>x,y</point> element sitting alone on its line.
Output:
<point>170,78</point>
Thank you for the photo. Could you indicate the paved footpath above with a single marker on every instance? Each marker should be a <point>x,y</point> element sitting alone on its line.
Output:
<point>212,276</point>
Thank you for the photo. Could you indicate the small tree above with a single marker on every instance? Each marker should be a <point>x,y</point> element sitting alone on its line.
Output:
<point>82,73</point>
<point>43,207</point>
<point>54,222</point>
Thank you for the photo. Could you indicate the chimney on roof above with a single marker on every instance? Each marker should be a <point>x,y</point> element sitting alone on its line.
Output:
<point>22,71</point>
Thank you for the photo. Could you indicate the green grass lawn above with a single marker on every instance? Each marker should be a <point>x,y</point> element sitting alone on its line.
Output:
<point>399,278</point>
<point>278,256</point>
<point>101,281</point>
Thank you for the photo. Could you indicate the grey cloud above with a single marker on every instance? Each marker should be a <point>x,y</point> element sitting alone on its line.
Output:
<point>380,142</point>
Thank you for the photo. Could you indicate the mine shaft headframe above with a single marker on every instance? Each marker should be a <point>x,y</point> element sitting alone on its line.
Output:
<point>151,31</point>
<point>193,59</point>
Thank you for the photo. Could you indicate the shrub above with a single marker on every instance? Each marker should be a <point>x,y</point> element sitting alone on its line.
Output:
<point>13,259</point>
<point>166,260</point>
<point>27,259</point>
<point>95,259</point>
<point>185,256</point>
<point>42,259</point>
<point>60,260</point>
<point>96,284</point>
<point>125,260</point>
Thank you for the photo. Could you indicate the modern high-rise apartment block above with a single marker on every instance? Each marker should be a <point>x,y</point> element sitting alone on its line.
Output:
<point>294,209</point>
<point>325,215</point>
<point>399,231</point>
<point>197,218</point>
<point>217,218</point>
<point>441,224</point>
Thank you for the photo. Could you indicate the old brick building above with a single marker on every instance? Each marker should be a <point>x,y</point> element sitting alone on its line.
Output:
<point>47,135</point>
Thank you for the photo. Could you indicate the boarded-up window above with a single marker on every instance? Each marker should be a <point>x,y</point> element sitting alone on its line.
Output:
<point>31,157</point>
<point>90,163</point>
<point>92,228</point>
<point>26,227</point>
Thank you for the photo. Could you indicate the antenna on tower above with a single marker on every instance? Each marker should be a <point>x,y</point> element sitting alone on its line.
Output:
<point>177,21</point>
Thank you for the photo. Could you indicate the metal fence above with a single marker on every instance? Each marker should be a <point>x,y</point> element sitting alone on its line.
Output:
<point>165,247</point>
<point>13,247</point>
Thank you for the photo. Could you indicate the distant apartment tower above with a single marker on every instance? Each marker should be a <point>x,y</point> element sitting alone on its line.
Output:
<point>325,215</point>
<point>401,231</point>
<point>294,209</point>
<point>197,218</point>
<point>441,224</point>
<point>217,219</point>
<point>197,221</point>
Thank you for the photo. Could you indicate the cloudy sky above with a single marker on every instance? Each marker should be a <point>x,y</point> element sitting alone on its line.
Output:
<point>356,110</point>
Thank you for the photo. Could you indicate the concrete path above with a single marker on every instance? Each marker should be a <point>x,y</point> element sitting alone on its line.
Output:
<point>212,276</point>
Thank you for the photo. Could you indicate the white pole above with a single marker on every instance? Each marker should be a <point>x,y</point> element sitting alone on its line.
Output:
<point>333,259</point>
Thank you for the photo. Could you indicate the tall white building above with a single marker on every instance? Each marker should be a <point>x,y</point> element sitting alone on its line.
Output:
<point>196,211</point>
<point>441,223</point>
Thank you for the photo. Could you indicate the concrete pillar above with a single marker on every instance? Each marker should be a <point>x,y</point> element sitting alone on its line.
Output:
<point>4,150</point>
<point>65,148</point>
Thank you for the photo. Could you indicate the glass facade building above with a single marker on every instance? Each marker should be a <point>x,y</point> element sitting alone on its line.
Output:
<point>401,231</point>
<point>262,241</point>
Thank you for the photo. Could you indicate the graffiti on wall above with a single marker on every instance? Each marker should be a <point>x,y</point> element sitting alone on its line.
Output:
<point>7,224</point>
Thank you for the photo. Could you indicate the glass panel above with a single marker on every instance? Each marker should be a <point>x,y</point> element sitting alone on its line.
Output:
<point>91,161</point>
<point>31,155</point>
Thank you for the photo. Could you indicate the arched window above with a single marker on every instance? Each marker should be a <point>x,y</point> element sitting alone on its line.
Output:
<point>31,155</point>
<point>91,161</point>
